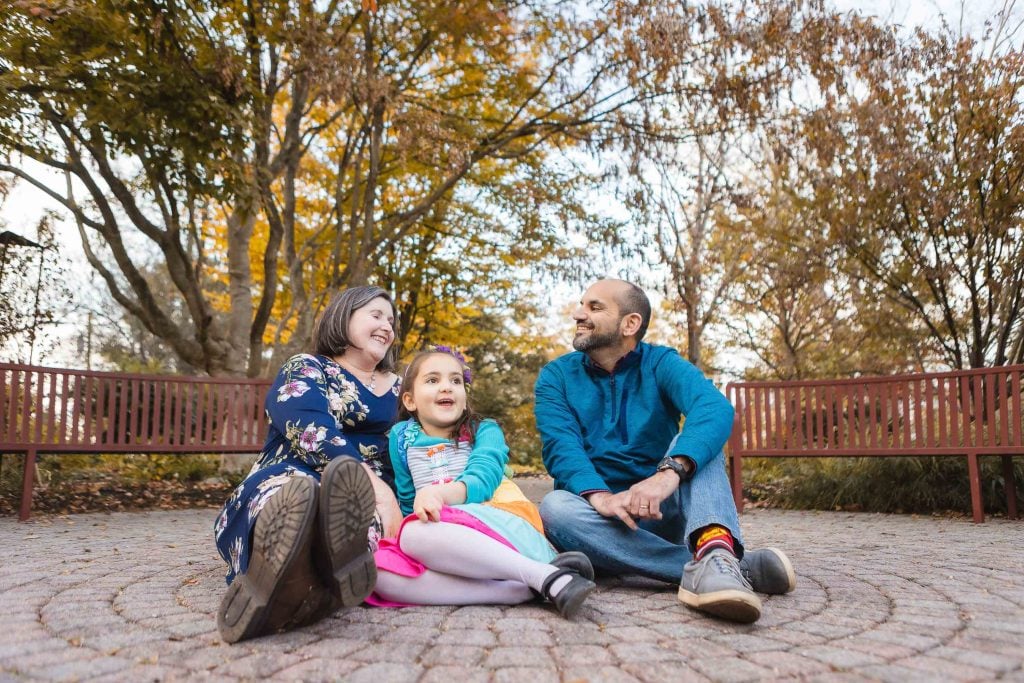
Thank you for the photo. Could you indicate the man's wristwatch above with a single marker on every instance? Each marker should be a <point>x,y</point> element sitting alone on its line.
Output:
<point>670,463</point>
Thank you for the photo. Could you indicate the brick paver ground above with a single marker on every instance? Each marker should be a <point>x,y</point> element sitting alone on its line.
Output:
<point>132,597</point>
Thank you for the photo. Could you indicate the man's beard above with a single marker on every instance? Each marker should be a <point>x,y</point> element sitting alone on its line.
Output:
<point>595,341</point>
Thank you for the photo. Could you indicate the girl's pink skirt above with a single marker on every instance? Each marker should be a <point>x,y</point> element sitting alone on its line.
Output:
<point>389,556</point>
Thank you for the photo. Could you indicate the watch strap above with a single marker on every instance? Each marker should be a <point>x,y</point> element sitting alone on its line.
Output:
<point>669,463</point>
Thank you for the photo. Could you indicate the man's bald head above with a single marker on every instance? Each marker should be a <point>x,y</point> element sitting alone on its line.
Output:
<point>632,299</point>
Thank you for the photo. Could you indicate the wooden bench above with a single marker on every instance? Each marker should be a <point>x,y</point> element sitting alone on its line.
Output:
<point>48,410</point>
<point>968,413</point>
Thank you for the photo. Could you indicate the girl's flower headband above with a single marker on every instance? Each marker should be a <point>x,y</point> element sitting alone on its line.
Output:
<point>467,374</point>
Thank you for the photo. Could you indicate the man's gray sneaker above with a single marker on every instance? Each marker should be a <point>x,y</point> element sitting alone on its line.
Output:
<point>716,586</point>
<point>768,570</point>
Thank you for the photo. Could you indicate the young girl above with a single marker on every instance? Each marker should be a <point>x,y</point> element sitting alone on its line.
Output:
<point>472,537</point>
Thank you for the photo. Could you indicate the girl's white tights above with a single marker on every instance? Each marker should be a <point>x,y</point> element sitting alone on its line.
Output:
<point>435,588</point>
<point>463,552</point>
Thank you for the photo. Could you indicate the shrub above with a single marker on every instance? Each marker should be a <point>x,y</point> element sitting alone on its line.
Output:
<point>876,484</point>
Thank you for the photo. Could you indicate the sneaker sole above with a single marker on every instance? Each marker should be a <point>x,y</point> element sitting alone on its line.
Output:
<point>347,503</point>
<point>284,529</point>
<point>790,574</point>
<point>733,605</point>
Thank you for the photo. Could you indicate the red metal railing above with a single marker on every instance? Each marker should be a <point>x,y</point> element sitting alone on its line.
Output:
<point>50,410</point>
<point>968,413</point>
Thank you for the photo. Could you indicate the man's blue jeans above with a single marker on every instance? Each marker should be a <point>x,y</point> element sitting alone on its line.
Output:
<point>659,549</point>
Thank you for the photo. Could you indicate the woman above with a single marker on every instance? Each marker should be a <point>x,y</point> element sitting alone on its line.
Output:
<point>294,533</point>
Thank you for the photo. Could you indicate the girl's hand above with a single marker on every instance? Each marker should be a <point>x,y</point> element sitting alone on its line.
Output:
<point>428,503</point>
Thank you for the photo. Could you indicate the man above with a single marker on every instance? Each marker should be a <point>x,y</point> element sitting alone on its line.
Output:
<point>633,491</point>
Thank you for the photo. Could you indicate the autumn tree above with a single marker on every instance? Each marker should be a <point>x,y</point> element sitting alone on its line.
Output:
<point>919,177</point>
<point>794,309</point>
<point>681,204</point>
<point>689,153</point>
<point>268,153</point>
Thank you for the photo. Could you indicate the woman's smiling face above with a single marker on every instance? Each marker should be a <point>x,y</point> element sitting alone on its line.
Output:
<point>371,328</point>
<point>437,396</point>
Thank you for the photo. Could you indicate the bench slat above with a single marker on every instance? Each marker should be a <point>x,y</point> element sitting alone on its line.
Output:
<point>1018,423</point>
<point>26,402</point>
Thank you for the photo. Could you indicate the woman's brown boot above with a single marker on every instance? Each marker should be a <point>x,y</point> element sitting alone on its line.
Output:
<point>347,504</point>
<point>280,584</point>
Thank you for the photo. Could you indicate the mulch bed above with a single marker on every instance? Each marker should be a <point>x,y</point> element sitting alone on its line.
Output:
<point>106,494</point>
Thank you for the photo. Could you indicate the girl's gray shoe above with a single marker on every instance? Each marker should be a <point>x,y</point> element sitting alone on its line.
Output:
<point>715,585</point>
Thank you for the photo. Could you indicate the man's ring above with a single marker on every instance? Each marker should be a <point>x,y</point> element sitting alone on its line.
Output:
<point>645,506</point>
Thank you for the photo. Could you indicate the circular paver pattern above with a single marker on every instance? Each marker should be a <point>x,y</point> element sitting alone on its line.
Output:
<point>133,597</point>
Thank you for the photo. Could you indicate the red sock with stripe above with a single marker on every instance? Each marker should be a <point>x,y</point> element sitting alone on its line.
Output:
<point>711,537</point>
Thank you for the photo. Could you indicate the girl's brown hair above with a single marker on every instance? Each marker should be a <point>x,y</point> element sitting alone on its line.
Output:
<point>465,428</point>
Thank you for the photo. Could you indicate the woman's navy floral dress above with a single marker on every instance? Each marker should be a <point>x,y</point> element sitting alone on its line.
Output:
<point>317,411</point>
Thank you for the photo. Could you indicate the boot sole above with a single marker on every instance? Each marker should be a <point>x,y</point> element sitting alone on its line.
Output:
<point>733,605</point>
<point>347,503</point>
<point>283,530</point>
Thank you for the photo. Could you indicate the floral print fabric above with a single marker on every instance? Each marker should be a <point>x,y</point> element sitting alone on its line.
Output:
<point>317,411</point>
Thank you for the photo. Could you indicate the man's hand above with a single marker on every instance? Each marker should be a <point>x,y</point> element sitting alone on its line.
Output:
<point>613,505</point>
<point>428,503</point>
<point>646,497</point>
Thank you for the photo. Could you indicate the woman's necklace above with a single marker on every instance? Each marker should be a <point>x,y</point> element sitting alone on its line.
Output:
<point>370,384</point>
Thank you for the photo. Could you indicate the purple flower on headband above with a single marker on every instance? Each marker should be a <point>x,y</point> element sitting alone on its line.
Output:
<point>467,374</point>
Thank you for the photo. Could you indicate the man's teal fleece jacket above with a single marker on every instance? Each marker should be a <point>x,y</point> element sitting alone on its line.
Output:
<point>607,431</point>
